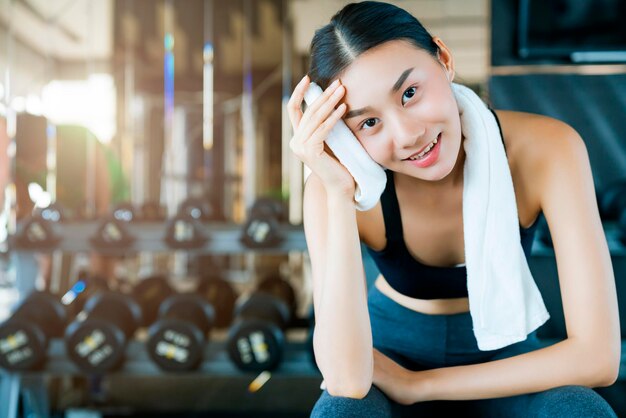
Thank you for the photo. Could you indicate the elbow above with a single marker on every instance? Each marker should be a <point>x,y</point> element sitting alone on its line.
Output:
<point>355,390</point>
<point>356,384</point>
<point>612,363</point>
<point>610,375</point>
<point>343,377</point>
<point>604,381</point>
<point>605,373</point>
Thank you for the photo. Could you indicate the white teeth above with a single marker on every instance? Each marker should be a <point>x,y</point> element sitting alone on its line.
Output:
<point>420,155</point>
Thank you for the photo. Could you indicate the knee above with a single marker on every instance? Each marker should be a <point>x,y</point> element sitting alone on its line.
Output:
<point>571,402</point>
<point>375,404</point>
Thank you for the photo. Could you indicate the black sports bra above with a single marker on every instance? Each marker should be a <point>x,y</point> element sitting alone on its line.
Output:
<point>412,278</point>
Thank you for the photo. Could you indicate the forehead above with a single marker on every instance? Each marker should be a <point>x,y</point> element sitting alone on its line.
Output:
<point>377,70</point>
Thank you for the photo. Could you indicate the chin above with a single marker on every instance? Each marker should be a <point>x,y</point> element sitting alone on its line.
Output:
<point>439,172</point>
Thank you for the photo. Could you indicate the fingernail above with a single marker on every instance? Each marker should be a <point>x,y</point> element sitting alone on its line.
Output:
<point>335,83</point>
<point>303,78</point>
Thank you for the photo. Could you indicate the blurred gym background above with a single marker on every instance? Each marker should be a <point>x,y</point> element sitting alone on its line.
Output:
<point>152,258</point>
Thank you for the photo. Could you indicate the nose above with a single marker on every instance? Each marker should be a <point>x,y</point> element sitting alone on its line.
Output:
<point>406,131</point>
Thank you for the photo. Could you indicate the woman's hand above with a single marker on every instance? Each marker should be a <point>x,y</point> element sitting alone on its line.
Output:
<point>311,130</point>
<point>399,384</point>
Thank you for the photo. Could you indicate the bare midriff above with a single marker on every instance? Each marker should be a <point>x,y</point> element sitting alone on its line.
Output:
<point>425,306</point>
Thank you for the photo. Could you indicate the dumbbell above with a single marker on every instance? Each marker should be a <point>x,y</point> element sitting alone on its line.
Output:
<point>176,341</point>
<point>256,340</point>
<point>96,340</point>
<point>612,200</point>
<point>261,230</point>
<point>277,286</point>
<point>183,232</point>
<point>112,233</point>
<point>149,293</point>
<point>221,295</point>
<point>24,336</point>
<point>39,232</point>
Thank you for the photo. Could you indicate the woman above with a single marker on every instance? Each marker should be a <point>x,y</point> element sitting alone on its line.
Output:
<point>390,81</point>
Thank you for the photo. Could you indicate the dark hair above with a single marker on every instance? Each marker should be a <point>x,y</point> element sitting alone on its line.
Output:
<point>355,29</point>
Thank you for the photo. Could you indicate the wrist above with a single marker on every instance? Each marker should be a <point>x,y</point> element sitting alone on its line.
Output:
<point>339,198</point>
<point>421,385</point>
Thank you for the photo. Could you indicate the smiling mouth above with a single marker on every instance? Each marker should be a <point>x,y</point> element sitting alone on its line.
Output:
<point>421,154</point>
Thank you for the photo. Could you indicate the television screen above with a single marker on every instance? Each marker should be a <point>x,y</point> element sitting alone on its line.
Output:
<point>579,30</point>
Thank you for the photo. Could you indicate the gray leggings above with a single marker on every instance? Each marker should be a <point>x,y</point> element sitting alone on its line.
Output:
<point>421,342</point>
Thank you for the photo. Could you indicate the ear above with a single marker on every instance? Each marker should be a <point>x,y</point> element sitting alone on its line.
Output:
<point>445,58</point>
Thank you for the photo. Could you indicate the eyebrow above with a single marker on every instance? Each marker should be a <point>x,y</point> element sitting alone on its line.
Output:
<point>395,88</point>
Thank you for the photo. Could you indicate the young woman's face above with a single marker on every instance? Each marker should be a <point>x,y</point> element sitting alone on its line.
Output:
<point>399,100</point>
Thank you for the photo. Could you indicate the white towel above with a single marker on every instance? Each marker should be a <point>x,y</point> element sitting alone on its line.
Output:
<point>505,303</point>
<point>368,175</point>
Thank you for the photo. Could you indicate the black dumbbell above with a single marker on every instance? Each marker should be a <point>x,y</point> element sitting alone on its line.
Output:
<point>24,336</point>
<point>184,232</point>
<point>612,200</point>
<point>149,293</point>
<point>113,234</point>
<point>221,295</point>
<point>256,340</point>
<point>176,341</point>
<point>38,233</point>
<point>96,340</point>
<point>261,230</point>
<point>277,286</point>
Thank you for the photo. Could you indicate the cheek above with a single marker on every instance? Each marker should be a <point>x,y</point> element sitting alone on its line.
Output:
<point>369,145</point>
<point>377,150</point>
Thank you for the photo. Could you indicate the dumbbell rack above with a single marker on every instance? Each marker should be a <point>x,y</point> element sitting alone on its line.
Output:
<point>149,237</point>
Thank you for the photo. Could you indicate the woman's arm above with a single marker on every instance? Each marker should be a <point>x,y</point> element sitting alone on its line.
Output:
<point>342,337</point>
<point>590,355</point>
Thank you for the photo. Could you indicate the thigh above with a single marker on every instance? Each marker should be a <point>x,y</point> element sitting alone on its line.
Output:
<point>375,404</point>
<point>562,402</point>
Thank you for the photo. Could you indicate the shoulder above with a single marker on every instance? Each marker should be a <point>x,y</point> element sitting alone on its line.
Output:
<point>529,134</point>
<point>541,147</point>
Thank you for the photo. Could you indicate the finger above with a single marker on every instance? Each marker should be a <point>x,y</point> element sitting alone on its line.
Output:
<point>295,101</point>
<point>321,133</point>
<point>324,96</point>
<point>317,117</point>
<point>312,110</point>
